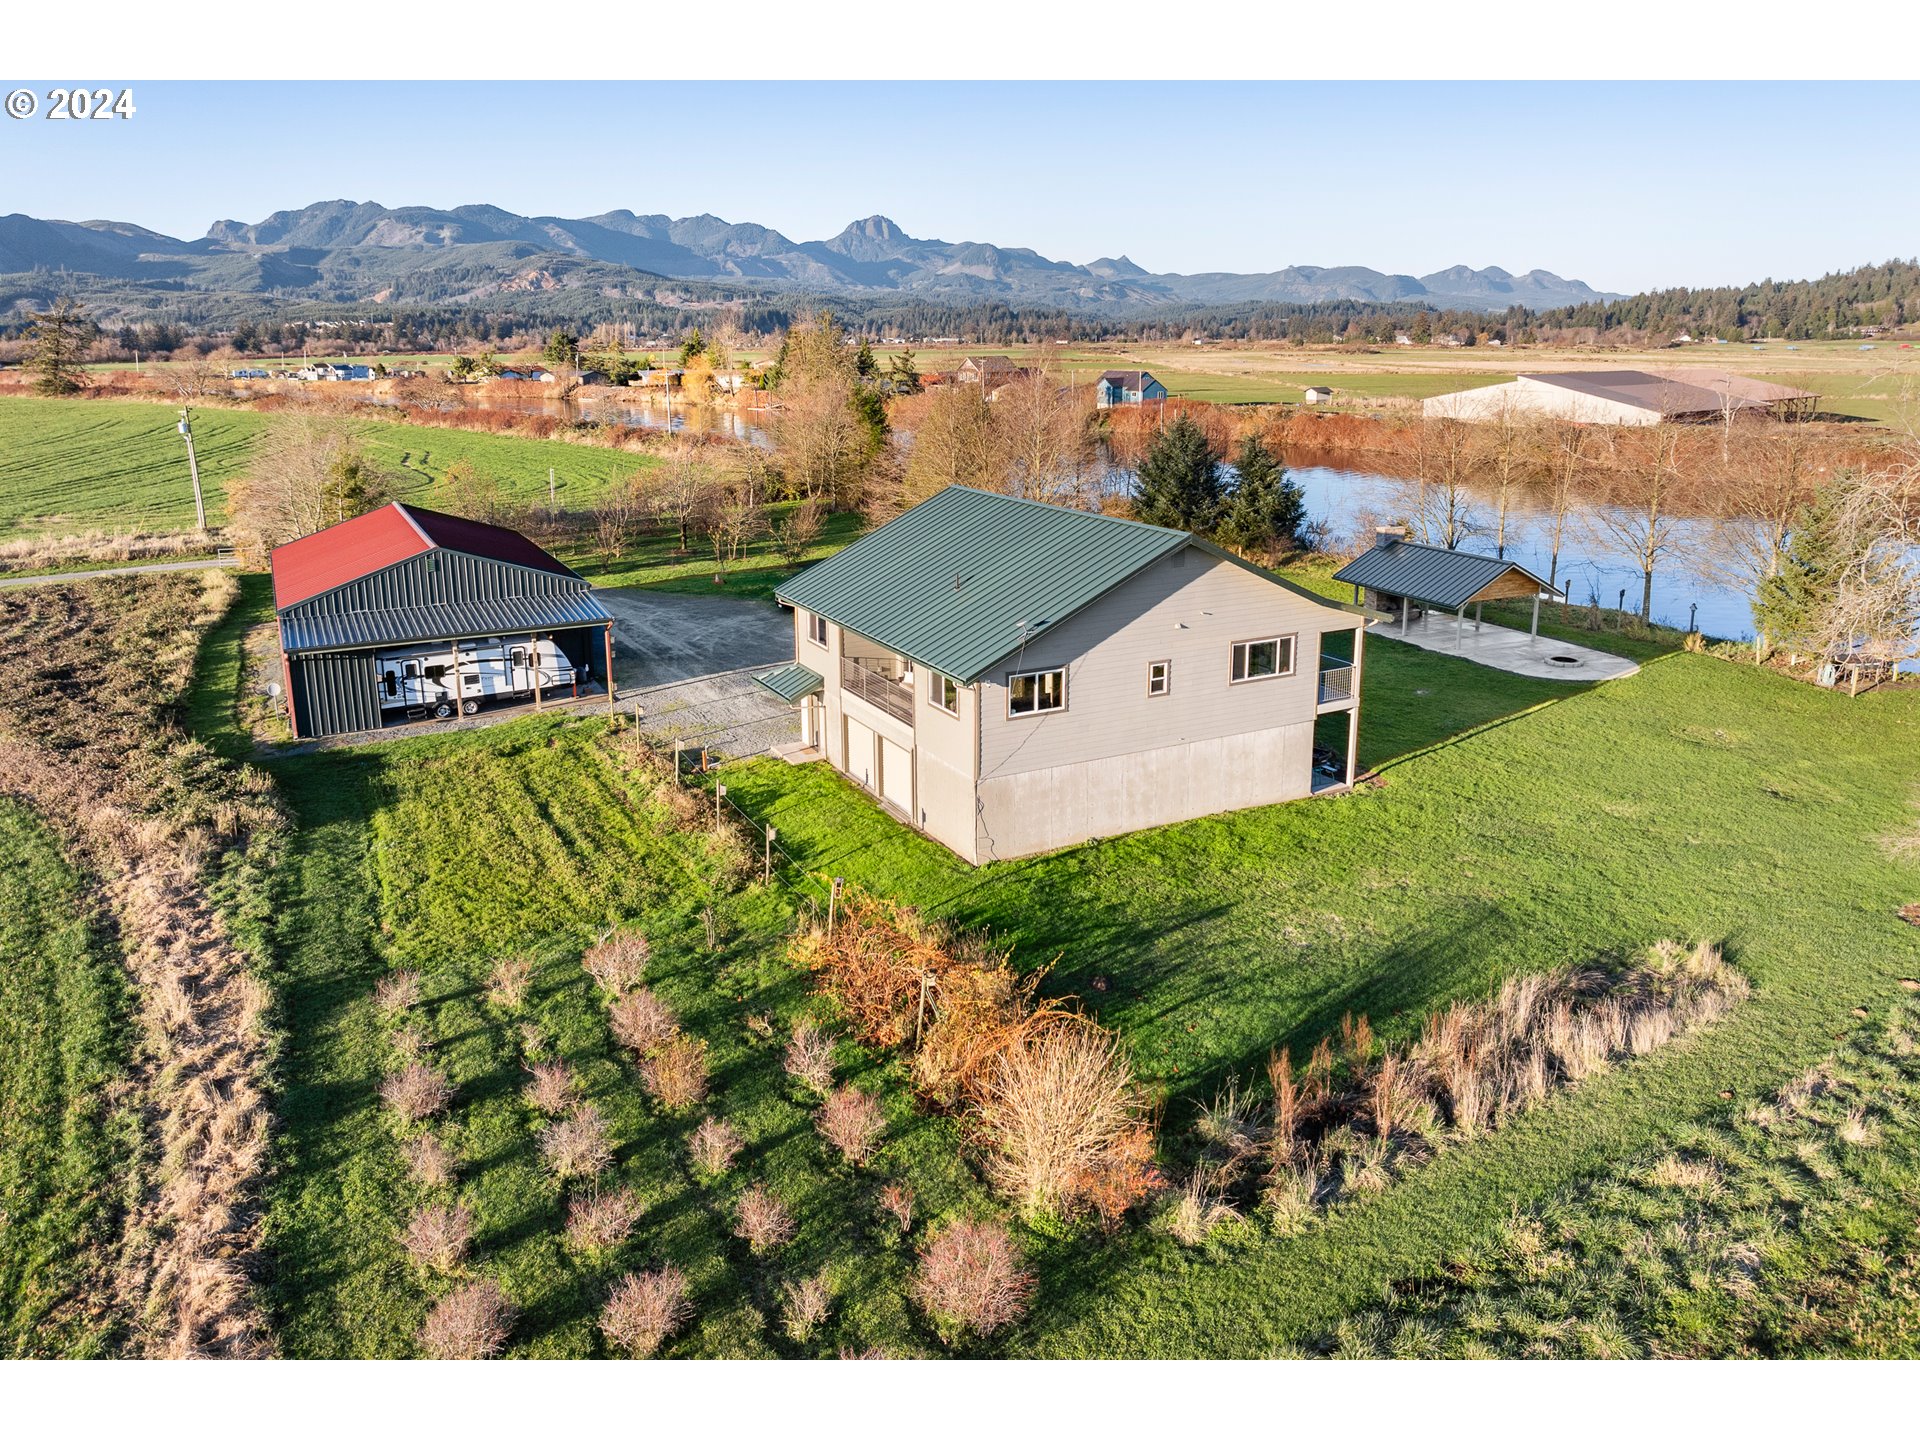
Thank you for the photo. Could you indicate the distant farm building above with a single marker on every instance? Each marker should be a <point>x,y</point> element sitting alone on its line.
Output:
<point>1623,397</point>
<point>1316,395</point>
<point>1126,387</point>
<point>982,369</point>
<point>537,374</point>
<point>324,371</point>
<point>404,613</point>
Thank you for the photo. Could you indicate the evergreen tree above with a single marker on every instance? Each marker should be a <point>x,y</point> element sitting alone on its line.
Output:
<point>1788,604</point>
<point>1179,482</point>
<point>693,345</point>
<point>59,338</point>
<point>903,375</point>
<point>863,362</point>
<point>1267,511</point>
<point>562,349</point>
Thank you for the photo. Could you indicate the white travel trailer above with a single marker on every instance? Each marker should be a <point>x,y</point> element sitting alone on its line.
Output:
<point>437,679</point>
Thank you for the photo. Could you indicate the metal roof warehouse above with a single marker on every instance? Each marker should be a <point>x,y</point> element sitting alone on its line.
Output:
<point>359,600</point>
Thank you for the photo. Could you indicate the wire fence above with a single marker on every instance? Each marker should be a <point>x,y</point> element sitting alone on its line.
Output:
<point>814,889</point>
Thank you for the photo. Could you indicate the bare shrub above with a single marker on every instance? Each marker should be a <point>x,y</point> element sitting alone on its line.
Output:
<point>429,1161</point>
<point>618,962</point>
<point>397,992</point>
<point>713,1146</point>
<point>675,1073</point>
<point>897,1201</point>
<point>471,1324</point>
<point>970,1279</point>
<point>508,983</point>
<point>599,1223</point>
<point>851,1121</point>
<point>417,1092</point>
<point>809,1057</point>
<point>804,1305</point>
<point>644,1311</point>
<point>439,1236</point>
<point>760,1219</point>
<point>550,1091</point>
<point>576,1146</point>
<point>1054,1105</point>
<point>642,1021</point>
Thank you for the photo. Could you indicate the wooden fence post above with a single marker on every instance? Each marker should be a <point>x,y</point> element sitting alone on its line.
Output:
<point>833,895</point>
<point>768,876</point>
<point>719,800</point>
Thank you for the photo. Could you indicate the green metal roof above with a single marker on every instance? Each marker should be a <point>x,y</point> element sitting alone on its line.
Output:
<point>1428,573</point>
<point>791,682</point>
<point>966,577</point>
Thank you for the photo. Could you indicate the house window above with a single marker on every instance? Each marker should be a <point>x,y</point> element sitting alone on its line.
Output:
<point>1159,676</point>
<point>817,629</point>
<point>1037,692</point>
<point>946,694</point>
<point>1262,659</point>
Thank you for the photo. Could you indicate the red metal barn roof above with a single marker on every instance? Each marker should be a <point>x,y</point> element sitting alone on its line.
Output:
<point>332,557</point>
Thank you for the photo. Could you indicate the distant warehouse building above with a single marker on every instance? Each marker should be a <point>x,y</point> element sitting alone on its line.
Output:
<point>1623,397</point>
<point>404,614</point>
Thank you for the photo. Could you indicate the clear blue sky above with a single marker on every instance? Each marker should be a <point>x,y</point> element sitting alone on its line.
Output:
<point>1626,186</point>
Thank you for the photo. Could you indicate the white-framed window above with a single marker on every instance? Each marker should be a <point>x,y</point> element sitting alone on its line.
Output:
<point>1036,692</point>
<point>1261,659</point>
<point>944,693</point>
<point>1159,677</point>
<point>817,629</point>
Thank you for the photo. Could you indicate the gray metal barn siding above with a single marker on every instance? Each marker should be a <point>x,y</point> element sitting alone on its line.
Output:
<point>334,694</point>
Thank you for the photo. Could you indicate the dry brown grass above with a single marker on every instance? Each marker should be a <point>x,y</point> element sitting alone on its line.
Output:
<point>809,1056</point>
<point>599,1223</point>
<point>851,1121</point>
<point>760,1219</point>
<point>713,1147</point>
<point>429,1161</point>
<point>472,1323</point>
<point>99,548</point>
<point>675,1072</point>
<point>508,983</point>
<point>398,992</point>
<point>804,1305</point>
<point>576,1147</point>
<point>970,1279</point>
<point>439,1237</point>
<point>618,962</point>
<point>417,1093</point>
<point>551,1088</point>
<point>644,1311</point>
<point>642,1020</point>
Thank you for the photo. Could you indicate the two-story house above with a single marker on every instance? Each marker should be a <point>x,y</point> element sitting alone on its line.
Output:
<point>1011,677</point>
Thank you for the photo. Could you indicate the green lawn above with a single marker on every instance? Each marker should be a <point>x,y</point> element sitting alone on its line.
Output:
<point>65,1153</point>
<point>447,854</point>
<point>1697,799</point>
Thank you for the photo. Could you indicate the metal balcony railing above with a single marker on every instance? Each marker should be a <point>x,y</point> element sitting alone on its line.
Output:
<point>877,689</point>
<point>1336,680</point>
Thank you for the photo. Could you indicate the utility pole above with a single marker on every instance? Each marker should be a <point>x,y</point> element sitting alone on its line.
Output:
<point>193,468</point>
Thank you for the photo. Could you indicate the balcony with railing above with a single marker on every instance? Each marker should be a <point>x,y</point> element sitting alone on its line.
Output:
<point>1336,682</point>
<point>883,683</point>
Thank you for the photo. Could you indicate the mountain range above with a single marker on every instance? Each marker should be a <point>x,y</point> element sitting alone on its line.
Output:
<point>346,251</point>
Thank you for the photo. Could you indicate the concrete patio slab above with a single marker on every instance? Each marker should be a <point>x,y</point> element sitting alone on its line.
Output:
<point>1504,649</point>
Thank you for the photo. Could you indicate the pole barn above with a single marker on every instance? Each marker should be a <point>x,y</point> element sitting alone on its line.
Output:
<point>405,614</point>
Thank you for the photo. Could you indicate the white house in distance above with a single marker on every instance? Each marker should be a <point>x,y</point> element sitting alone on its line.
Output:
<point>1010,677</point>
<point>1316,395</point>
<point>1622,397</point>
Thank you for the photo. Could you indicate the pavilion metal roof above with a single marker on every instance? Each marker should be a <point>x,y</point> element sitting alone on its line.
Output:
<point>470,619</point>
<point>1430,574</point>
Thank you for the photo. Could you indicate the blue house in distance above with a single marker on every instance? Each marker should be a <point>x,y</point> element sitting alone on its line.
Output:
<point>1126,387</point>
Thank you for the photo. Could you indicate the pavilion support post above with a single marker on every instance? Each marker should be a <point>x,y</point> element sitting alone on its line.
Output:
<point>1353,715</point>
<point>1460,628</point>
<point>1406,609</point>
<point>1476,617</point>
<point>1534,629</point>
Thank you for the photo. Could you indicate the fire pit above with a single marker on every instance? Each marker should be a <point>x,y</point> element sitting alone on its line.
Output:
<point>1565,662</point>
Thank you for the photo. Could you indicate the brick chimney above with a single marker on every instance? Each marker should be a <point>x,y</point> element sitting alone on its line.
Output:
<point>1385,536</point>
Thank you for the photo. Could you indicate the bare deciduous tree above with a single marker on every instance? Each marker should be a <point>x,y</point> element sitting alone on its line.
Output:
<point>1638,516</point>
<point>312,473</point>
<point>1445,455</point>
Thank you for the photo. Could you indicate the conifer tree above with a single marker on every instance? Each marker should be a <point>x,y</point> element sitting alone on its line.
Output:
<point>1179,482</point>
<point>1267,511</point>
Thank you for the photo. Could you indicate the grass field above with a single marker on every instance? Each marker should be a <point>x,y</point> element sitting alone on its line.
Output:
<point>1662,805</point>
<point>65,1152</point>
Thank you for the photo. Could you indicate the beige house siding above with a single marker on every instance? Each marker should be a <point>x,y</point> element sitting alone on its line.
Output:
<point>947,762</point>
<point>825,659</point>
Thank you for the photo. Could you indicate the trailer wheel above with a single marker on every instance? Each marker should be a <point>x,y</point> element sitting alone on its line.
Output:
<point>470,707</point>
<point>443,710</point>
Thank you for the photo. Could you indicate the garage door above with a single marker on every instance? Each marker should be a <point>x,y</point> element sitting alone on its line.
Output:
<point>860,753</point>
<point>896,774</point>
